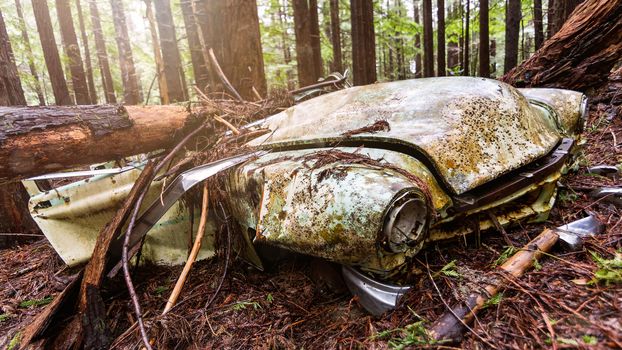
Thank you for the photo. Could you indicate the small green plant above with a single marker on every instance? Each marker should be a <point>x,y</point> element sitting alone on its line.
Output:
<point>448,270</point>
<point>35,302</point>
<point>5,317</point>
<point>14,343</point>
<point>242,305</point>
<point>160,289</point>
<point>536,265</point>
<point>568,197</point>
<point>609,270</point>
<point>269,298</point>
<point>589,339</point>
<point>507,253</point>
<point>495,300</point>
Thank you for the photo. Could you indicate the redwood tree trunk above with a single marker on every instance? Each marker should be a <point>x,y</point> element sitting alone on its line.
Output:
<point>231,29</point>
<point>87,55</point>
<point>428,40</point>
<point>363,42</point>
<point>305,54</point>
<point>39,140</point>
<point>173,72</point>
<point>157,53</point>
<point>484,40</point>
<point>440,49</point>
<point>559,12</point>
<point>50,52</point>
<point>199,67</point>
<point>512,27</point>
<point>102,55</point>
<point>335,35</point>
<point>418,64</point>
<point>466,43</point>
<point>131,88</point>
<point>315,37</point>
<point>537,23</point>
<point>31,60</point>
<point>581,54</point>
<point>72,50</point>
<point>14,215</point>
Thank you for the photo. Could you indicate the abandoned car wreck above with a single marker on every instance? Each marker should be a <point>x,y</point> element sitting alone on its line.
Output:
<point>364,177</point>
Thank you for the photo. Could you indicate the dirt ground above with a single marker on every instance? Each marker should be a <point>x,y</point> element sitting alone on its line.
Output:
<point>558,304</point>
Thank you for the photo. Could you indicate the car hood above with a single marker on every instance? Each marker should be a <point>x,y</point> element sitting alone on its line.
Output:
<point>468,130</point>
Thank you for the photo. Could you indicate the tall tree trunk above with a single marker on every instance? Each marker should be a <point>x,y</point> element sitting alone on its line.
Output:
<point>363,42</point>
<point>559,12</point>
<point>418,64</point>
<point>14,215</point>
<point>440,50</point>
<point>287,54</point>
<point>155,42</point>
<point>131,87</point>
<point>466,43</point>
<point>428,40</point>
<point>537,23</point>
<point>512,27</point>
<point>581,54</point>
<point>173,72</point>
<point>335,35</point>
<point>50,52</point>
<point>305,55</point>
<point>201,77</point>
<point>72,50</point>
<point>102,55</point>
<point>87,55</point>
<point>31,60</point>
<point>484,40</point>
<point>314,30</point>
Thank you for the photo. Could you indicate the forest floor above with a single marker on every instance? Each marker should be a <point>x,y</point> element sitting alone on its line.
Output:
<point>559,304</point>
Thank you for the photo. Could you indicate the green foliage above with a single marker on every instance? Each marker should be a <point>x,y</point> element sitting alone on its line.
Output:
<point>507,253</point>
<point>408,336</point>
<point>14,343</point>
<point>5,317</point>
<point>609,270</point>
<point>36,302</point>
<point>269,298</point>
<point>567,197</point>
<point>450,270</point>
<point>536,265</point>
<point>495,300</point>
<point>242,305</point>
<point>160,289</point>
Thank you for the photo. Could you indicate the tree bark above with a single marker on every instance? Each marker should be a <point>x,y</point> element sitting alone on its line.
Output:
<point>14,214</point>
<point>39,140</point>
<point>559,12</point>
<point>199,67</point>
<point>173,71</point>
<point>581,54</point>
<point>31,60</point>
<point>50,52</point>
<point>335,35</point>
<point>484,40</point>
<point>363,42</point>
<point>315,38</point>
<point>102,55</point>
<point>305,56</point>
<point>72,50</point>
<point>440,49</point>
<point>418,63</point>
<point>87,55</point>
<point>157,53</point>
<point>231,29</point>
<point>512,27</point>
<point>131,87</point>
<point>466,43</point>
<point>428,40</point>
<point>537,23</point>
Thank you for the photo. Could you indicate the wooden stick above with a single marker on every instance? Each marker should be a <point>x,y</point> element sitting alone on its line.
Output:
<point>451,324</point>
<point>222,76</point>
<point>193,254</point>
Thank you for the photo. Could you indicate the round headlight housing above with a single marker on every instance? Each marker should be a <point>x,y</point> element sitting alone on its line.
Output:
<point>405,222</point>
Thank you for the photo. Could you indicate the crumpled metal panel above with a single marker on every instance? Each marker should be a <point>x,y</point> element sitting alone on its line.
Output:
<point>334,211</point>
<point>471,129</point>
<point>569,106</point>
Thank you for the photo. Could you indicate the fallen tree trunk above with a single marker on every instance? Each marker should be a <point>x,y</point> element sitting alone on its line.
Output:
<point>40,140</point>
<point>580,55</point>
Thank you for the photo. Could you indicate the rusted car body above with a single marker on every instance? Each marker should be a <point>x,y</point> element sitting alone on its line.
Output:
<point>365,176</point>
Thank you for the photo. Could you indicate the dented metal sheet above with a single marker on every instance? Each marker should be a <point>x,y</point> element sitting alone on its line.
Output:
<point>471,130</point>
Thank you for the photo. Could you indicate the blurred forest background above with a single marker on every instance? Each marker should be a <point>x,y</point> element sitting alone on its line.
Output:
<point>151,52</point>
